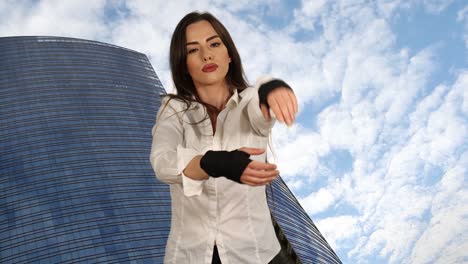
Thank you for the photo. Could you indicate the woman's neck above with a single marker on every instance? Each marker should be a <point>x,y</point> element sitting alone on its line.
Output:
<point>215,95</point>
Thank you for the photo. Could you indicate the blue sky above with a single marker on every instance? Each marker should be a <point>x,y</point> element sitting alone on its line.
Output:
<point>378,157</point>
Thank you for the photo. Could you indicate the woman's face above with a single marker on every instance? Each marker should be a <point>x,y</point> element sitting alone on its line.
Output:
<point>207,56</point>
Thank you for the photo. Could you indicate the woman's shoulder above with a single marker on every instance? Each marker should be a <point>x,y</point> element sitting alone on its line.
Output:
<point>169,106</point>
<point>248,92</point>
<point>173,105</point>
<point>176,103</point>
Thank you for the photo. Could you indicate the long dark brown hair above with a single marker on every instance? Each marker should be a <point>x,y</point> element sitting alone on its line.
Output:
<point>186,91</point>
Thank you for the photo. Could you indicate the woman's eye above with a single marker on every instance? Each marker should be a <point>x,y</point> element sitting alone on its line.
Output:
<point>191,51</point>
<point>215,44</point>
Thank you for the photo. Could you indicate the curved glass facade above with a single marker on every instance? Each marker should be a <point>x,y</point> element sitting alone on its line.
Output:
<point>303,236</point>
<point>76,185</point>
<point>75,133</point>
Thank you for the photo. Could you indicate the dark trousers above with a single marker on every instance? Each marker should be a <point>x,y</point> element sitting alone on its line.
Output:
<point>215,259</point>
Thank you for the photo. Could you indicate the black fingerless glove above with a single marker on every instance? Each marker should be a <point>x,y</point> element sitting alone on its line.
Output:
<point>230,164</point>
<point>267,87</point>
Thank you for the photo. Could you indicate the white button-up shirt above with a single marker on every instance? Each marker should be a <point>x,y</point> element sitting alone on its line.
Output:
<point>234,216</point>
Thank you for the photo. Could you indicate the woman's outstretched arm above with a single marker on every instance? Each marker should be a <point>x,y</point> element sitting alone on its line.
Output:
<point>270,100</point>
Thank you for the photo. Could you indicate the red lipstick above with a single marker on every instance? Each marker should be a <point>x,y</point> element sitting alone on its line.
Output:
<point>210,67</point>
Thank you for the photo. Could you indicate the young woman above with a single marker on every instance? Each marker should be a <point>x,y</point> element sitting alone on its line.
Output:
<point>209,145</point>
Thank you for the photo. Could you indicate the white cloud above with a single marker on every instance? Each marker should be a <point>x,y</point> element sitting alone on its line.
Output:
<point>306,17</point>
<point>336,127</point>
<point>447,231</point>
<point>402,206</point>
<point>319,201</point>
<point>404,202</point>
<point>338,229</point>
<point>312,8</point>
<point>388,8</point>
<point>294,154</point>
<point>385,123</point>
<point>436,6</point>
<point>57,18</point>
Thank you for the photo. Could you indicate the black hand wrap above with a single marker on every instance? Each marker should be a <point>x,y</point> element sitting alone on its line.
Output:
<point>266,88</point>
<point>230,164</point>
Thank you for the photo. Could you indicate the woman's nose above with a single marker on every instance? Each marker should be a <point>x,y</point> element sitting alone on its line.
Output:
<point>207,56</point>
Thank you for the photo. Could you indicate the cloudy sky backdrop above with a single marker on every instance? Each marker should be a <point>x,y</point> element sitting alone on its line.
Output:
<point>378,157</point>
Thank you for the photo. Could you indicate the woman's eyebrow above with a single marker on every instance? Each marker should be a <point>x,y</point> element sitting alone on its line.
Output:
<point>212,37</point>
<point>192,43</point>
<point>196,42</point>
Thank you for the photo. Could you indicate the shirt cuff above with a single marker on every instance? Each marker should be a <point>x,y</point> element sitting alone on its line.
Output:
<point>190,186</point>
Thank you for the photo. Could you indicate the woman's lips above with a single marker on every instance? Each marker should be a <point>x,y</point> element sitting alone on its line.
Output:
<point>209,67</point>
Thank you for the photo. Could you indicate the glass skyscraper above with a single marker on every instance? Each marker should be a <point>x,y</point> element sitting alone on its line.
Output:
<point>76,185</point>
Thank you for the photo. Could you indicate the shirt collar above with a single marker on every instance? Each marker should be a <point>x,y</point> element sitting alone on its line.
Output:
<point>234,100</point>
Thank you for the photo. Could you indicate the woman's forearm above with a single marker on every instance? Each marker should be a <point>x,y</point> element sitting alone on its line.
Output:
<point>194,171</point>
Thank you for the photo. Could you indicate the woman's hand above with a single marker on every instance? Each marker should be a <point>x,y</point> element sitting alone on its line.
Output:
<point>258,173</point>
<point>283,102</point>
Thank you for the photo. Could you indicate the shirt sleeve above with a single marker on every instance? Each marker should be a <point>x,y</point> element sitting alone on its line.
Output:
<point>258,122</point>
<point>168,156</point>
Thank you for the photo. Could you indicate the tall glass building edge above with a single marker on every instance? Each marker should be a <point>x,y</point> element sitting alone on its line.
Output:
<point>76,185</point>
